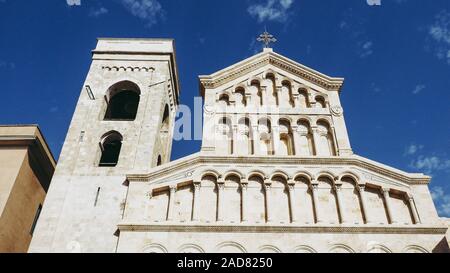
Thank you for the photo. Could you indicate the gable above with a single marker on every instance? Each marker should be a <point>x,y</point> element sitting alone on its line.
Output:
<point>265,58</point>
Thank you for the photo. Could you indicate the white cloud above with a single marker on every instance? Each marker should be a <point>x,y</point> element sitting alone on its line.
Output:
<point>439,31</point>
<point>412,149</point>
<point>98,12</point>
<point>375,88</point>
<point>430,164</point>
<point>366,49</point>
<point>442,200</point>
<point>149,11</point>
<point>271,10</point>
<point>73,2</point>
<point>418,88</point>
<point>355,28</point>
<point>54,109</point>
<point>7,65</point>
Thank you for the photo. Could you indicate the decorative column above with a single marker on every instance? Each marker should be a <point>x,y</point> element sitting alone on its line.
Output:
<point>244,186</point>
<point>196,201</point>
<point>296,139</point>
<point>413,208</point>
<point>267,185</point>
<point>312,100</point>
<point>316,137</point>
<point>337,189</point>
<point>291,186</point>
<point>387,200</point>
<point>263,95</point>
<point>296,99</point>
<point>275,138</point>
<point>255,136</point>
<point>234,139</point>
<point>172,190</point>
<point>364,207</point>
<point>278,98</point>
<point>220,189</point>
<point>315,194</point>
<point>248,99</point>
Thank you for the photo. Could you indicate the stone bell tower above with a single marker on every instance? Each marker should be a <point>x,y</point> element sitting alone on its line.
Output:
<point>123,123</point>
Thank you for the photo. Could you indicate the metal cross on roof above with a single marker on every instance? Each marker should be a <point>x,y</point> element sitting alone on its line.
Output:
<point>266,38</point>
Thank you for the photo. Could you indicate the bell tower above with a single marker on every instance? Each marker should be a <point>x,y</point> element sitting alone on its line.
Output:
<point>123,123</point>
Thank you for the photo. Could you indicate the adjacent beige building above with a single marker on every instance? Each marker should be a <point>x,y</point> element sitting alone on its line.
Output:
<point>26,168</point>
<point>275,173</point>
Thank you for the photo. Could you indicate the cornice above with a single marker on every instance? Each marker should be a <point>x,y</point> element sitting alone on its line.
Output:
<point>40,158</point>
<point>199,159</point>
<point>240,69</point>
<point>288,228</point>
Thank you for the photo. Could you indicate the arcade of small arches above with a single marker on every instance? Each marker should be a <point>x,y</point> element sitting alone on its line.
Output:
<point>272,89</point>
<point>279,199</point>
<point>235,247</point>
<point>301,137</point>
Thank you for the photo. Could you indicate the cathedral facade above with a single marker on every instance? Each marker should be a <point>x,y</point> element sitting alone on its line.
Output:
<point>275,173</point>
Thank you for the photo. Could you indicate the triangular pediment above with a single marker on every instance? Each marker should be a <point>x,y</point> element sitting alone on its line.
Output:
<point>265,58</point>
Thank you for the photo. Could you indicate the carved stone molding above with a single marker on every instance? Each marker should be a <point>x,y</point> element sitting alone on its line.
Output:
<point>337,111</point>
<point>248,66</point>
<point>317,228</point>
<point>128,69</point>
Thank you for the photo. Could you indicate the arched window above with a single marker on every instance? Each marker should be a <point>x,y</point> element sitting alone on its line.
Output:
<point>257,94</point>
<point>232,197</point>
<point>224,137</point>
<point>208,199</point>
<point>240,96</point>
<point>256,213</point>
<point>165,119</point>
<point>271,90</point>
<point>244,137</point>
<point>224,100</point>
<point>279,196</point>
<point>350,201</point>
<point>285,99</point>
<point>159,162</point>
<point>327,201</point>
<point>265,137</point>
<point>303,98</point>
<point>110,146</point>
<point>320,102</point>
<point>325,143</point>
<point>286,139</point>
<point>164,130</point>
<point>122,101</point>
<point>306,144</point>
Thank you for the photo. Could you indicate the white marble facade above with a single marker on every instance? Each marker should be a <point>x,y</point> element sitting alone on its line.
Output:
<point>275,173</point>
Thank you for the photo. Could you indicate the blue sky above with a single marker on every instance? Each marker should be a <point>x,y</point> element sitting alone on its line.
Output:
<point>395,58</point>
